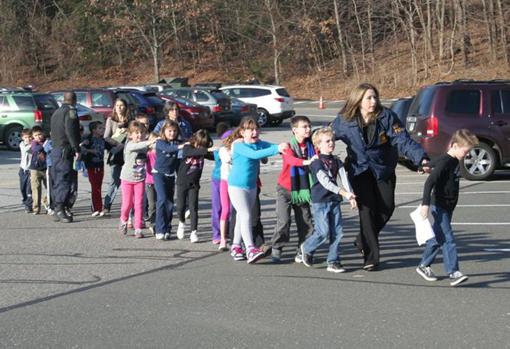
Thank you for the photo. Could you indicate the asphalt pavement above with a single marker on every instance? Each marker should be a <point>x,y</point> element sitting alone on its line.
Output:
<point>83,285</point>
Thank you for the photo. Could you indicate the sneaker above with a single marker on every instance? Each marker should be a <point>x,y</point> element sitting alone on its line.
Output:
<point>187,214</point>
<point>50,212</point>
<point>276,255</point>
<point>426,273</point>
<point>96,214</point>
<point>28,209</point>
<point>254,255</point>
<point>457,277</point>
<point>216,242</point>
<point>101,213</point>
<point>237,253</point>
<point>223,245</point>
<point>123,228</point>
<point>167,236</point>
<point>180,231</point>
<point>68,212</point>
<point>138,234</point>
<point>298,258</point>
<point>370,267</point>
<point>151,229</point>
<point>160,236</point>
<point>307,259</point>
<point>193,237</point>
<point>335,268</point>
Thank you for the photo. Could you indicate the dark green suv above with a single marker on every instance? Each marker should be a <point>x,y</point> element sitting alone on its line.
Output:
<point>19,110</point>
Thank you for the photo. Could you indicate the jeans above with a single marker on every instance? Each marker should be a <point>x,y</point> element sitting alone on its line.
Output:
<point>165,187</point>
<point>215,208</point>
<point>328,224</point>
<point>25,187</point>
<point>444,239</point>
<point>113,188</point>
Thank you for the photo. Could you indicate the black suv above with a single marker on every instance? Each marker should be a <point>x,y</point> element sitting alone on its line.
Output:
<point>482,107</point>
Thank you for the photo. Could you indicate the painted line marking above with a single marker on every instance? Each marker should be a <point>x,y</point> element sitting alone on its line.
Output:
<point>482,205</point>
<point>462,193</point>
<point>481,223</point>
<point>497,250</point>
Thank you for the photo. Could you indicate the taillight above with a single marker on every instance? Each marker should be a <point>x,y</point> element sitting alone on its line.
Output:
<point>432,127</point>
<point>38,116</point>
<point>85,117</point>
<point>149,110</point>
<point>244,109</point>
<point>279,99</point>
<point>216,109</point>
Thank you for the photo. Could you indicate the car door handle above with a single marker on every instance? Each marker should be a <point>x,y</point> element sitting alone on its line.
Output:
<point>500,123</point>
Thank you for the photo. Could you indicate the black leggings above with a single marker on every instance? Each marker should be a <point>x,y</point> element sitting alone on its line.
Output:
<point>188,194</point>
<point>376,203</point>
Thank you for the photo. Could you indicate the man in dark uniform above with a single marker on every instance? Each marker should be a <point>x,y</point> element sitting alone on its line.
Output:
<point>65,135</point>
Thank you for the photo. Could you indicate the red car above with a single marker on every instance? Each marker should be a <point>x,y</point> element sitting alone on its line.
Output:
<point>99,100</point>
<point>197,115</point>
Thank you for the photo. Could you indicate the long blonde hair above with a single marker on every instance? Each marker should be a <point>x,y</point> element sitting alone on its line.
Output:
<point>351,109</point>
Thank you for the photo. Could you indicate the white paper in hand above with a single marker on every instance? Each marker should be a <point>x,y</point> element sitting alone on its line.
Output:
<point>423,227</point>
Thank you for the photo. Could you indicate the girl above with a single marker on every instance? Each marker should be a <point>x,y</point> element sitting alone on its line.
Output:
<point>188,179</point>
<point>163,172</point>
<point>115,134</point>
<point>149,184</point>
<point>226,164</point>
<point>242,184</point>
<point>133,177</point>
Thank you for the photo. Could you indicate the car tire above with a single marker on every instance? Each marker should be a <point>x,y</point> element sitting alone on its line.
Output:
<point>262,117</point>
<point>12,137</point>
<point>479,163</point>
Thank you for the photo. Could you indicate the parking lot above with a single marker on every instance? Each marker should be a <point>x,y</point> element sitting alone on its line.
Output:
<point>81,285</point>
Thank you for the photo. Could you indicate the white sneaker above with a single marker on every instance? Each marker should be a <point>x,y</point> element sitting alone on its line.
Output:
<point>193,237</point>
<point>180,230</point>
<point>160,236</point>
<point>95,214</point>
<point>167,236</point>
<point>50,212</point>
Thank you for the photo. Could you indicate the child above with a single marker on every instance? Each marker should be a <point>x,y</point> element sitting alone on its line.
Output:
<point>93,150</point>
<point>444,180</point>
<point>326,198</point>
<point>150,191</point>
<point>242,184</point>
<point>38,170</point>
<point>216,207</point>
<point>188,179</point>
<point>163,172</point>
<point>133,177</point>
<point>24,171</point>
<point>226,163</point>
<point>293,189</point>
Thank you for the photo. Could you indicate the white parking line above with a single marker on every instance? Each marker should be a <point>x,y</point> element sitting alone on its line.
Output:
<point>497,249</point>
<point>482,223</point>
<point>480,205</point>
<point>461,193</point>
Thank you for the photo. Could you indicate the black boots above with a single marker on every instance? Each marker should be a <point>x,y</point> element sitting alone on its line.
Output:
<point>62,216</point>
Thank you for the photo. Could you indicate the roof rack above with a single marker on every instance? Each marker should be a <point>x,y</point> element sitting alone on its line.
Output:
<point>208,85</point>
<point>472,81</point>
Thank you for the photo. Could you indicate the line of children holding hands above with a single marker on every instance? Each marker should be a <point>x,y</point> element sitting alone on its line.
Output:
<point>307,179</point>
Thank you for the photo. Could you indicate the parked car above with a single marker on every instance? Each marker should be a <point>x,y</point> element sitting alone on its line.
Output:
<point>197,115</point>
<point>483,107</point>
<point>19,110</point>
<point>401,107</point>
<point>143,102</point>
<point>242,109</point>
<point>99,100</point>
<point>216,101</point>
<point>86,115</point>
<point>274,104</point>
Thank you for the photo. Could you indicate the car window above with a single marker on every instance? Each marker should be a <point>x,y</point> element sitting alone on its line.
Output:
<point>282,92</point>
<point>45,102</point>
<point>255,92</point>
<point>4,104</point>
<point>154,100</point>
<point>59,97</point>
<point>422,104</point>
<point>184,94</point>
<point>81,97</point>
<point>101,99</point>
<point>24,102</point>
<point>201,96</point>
<point>500,102</point>
<point>463,102</point>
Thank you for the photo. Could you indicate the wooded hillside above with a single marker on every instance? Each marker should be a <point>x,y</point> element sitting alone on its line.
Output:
<point>312,46</point>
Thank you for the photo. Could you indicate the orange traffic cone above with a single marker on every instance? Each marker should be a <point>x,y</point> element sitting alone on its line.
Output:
<point>321,104</point>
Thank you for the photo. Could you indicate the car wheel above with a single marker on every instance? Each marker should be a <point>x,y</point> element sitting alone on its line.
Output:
<point>479,163</point>
<point>276,122</point>
<point>12,137</point>
<point>262,117</point>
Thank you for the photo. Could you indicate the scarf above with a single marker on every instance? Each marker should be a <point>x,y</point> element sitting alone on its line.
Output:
<point>300,177</point>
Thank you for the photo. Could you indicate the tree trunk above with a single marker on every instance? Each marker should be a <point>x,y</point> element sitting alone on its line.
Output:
<point>362,41</point>
<point>502,31</point>
<point>340,39</point>
<point>490,35</point>
<point>276,52</point>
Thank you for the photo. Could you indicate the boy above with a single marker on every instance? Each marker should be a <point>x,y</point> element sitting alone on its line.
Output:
<point>38,170</point>
<point>24,172</point>
<point>326,198</point>
<point>293,189</point>
<point>93,151</point>
<point>444,179</point>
